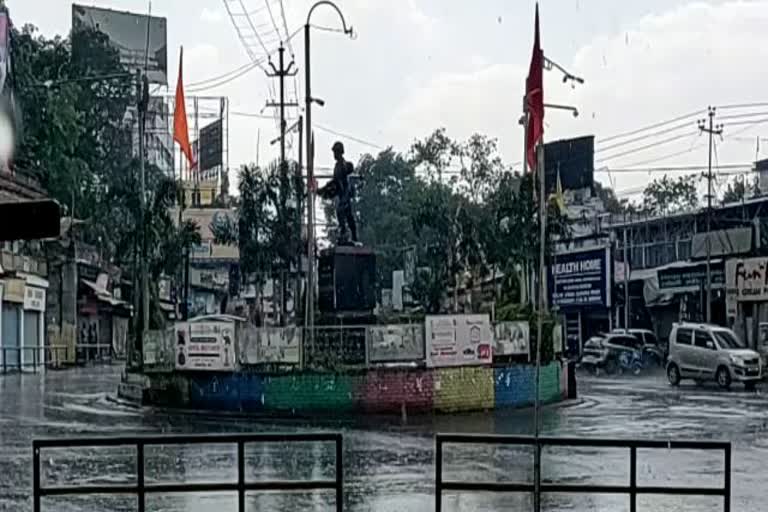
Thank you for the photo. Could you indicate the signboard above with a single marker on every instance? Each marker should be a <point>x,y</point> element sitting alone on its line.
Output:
<point>573,160</point>
<point>129,34</point>
<point>621,271</point>
<point>581,279</point>
<point>693,276</point>
<point>746,281</point>
<point>270,345</point>
<point>512,339</point>
<point>205,346</point>
<point>34,298</point>
<point>14,290</point>
<point>391,343</point>
<point>458,340</point>
<point>211,145</point>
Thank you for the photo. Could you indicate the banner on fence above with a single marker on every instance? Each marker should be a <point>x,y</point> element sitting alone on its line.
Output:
<point>391,343</point>
<point>512,339</point>
<point>205,346</point>
<point>260,345</point>
<point>458,340</point>
<point>158,350</point>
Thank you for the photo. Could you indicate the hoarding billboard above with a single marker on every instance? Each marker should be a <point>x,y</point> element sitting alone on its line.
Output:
<point>259,345</point>
<point>512,339</point>
<point>581,279</point>
<point>127,32</point>
<point>458,340</point>
<point>393,343</point>
<point>205,346</point>
<point>211,146</point>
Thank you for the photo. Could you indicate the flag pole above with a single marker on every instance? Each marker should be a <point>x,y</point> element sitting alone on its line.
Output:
<point>540,320</point>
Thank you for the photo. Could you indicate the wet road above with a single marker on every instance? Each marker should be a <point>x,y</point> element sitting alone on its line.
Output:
<point>388,467</point>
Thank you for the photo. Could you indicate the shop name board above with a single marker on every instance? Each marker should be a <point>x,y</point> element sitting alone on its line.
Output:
<point>686,277</point>
<point>747,281</point>
<point>580,279</point>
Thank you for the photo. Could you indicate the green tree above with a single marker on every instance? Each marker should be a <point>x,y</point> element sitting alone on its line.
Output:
<point>664,196</point>
<point>264,228</point>
<point>609,199</point>
<point>740,189</point>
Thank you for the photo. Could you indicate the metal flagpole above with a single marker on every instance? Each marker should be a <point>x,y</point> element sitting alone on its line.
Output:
<point>540,320</point>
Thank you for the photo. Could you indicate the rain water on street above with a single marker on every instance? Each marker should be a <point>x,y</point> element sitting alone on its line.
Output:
<point>388,466</point>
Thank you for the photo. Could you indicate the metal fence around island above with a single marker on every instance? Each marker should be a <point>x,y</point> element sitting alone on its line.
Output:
<point>141,488</point>
<point>632,489</point>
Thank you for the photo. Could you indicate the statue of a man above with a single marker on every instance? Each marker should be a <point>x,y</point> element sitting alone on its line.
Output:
<point>340,188</point>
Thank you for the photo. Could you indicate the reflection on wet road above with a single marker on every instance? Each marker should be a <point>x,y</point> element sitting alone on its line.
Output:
<point>388,467</point>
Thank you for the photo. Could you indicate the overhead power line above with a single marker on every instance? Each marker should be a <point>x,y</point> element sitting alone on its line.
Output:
<point>651,126</point>
<point>349,137</point>
<point>647,146</point>
<point>678,168</point>
<point>686,124</point>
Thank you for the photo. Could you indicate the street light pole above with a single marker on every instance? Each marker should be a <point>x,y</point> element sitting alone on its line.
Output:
<point>311,164</point>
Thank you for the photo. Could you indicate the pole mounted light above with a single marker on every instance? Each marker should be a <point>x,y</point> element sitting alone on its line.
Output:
<point>310,303</point>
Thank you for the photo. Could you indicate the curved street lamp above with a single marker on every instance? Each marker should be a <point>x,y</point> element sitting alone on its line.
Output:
<point>310,309</point>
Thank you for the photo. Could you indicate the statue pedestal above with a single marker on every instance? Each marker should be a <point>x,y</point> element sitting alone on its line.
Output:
<point>347,280</point>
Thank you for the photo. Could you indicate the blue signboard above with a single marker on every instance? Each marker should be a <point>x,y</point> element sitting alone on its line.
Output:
<point>580,279</point>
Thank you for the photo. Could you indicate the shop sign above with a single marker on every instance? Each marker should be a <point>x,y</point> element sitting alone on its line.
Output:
<point>392,343</point>
<point>581,279</point>
<point>693,276</point>
<point>34,298</point>
<point>205,346</point>
<point>746,281</point>
<point>458,340</point>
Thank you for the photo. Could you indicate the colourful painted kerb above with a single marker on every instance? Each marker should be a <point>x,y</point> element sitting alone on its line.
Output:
<point>388,391</point>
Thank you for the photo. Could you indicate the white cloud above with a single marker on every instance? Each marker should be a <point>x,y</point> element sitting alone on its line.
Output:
<point>211,15</point>
<point>202,52</point>
<point>657,68</point>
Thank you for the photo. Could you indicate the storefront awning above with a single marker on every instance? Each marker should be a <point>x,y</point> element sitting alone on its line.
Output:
<point>105,296</point>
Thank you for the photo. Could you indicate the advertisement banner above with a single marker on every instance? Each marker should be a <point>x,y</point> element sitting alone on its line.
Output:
<point>458,340</point>
<point>581,279</point>
<point>259,345</point>
<point>211,146</point>
<point>512,339</point>
<point>205,346</point>
<point>745,281</point>
<point>392,343</point>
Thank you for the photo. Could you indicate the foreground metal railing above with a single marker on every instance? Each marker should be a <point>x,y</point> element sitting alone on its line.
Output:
<point>632,489</point>
<point>141,488</point>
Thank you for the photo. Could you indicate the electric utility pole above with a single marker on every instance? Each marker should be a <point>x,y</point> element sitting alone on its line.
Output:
<point>281,73</point>
<point>711,130</point>
<point>142,107</point>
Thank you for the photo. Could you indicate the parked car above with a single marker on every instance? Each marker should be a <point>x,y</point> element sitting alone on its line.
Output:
<point>654,352</point>
<point>612,353</point>
<point>709,352</point>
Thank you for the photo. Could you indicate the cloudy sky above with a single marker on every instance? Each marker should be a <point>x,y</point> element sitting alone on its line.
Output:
<point>416,65</point>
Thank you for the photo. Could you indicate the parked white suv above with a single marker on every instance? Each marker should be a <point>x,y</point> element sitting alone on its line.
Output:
<point>710,352</point>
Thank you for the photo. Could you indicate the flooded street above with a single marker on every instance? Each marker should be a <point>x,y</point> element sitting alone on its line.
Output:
<point>387,467</point>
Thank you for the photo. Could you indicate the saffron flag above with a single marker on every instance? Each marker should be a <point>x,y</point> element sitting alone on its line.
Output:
<point>534,97</point>
<point>180,127</point>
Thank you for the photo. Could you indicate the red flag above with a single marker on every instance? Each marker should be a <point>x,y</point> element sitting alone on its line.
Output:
<point>180,128</point>
<point>534,97</point>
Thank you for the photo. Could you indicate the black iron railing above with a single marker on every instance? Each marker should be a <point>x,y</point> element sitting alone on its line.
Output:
<point>632,489</point>
<point>141,488</point>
